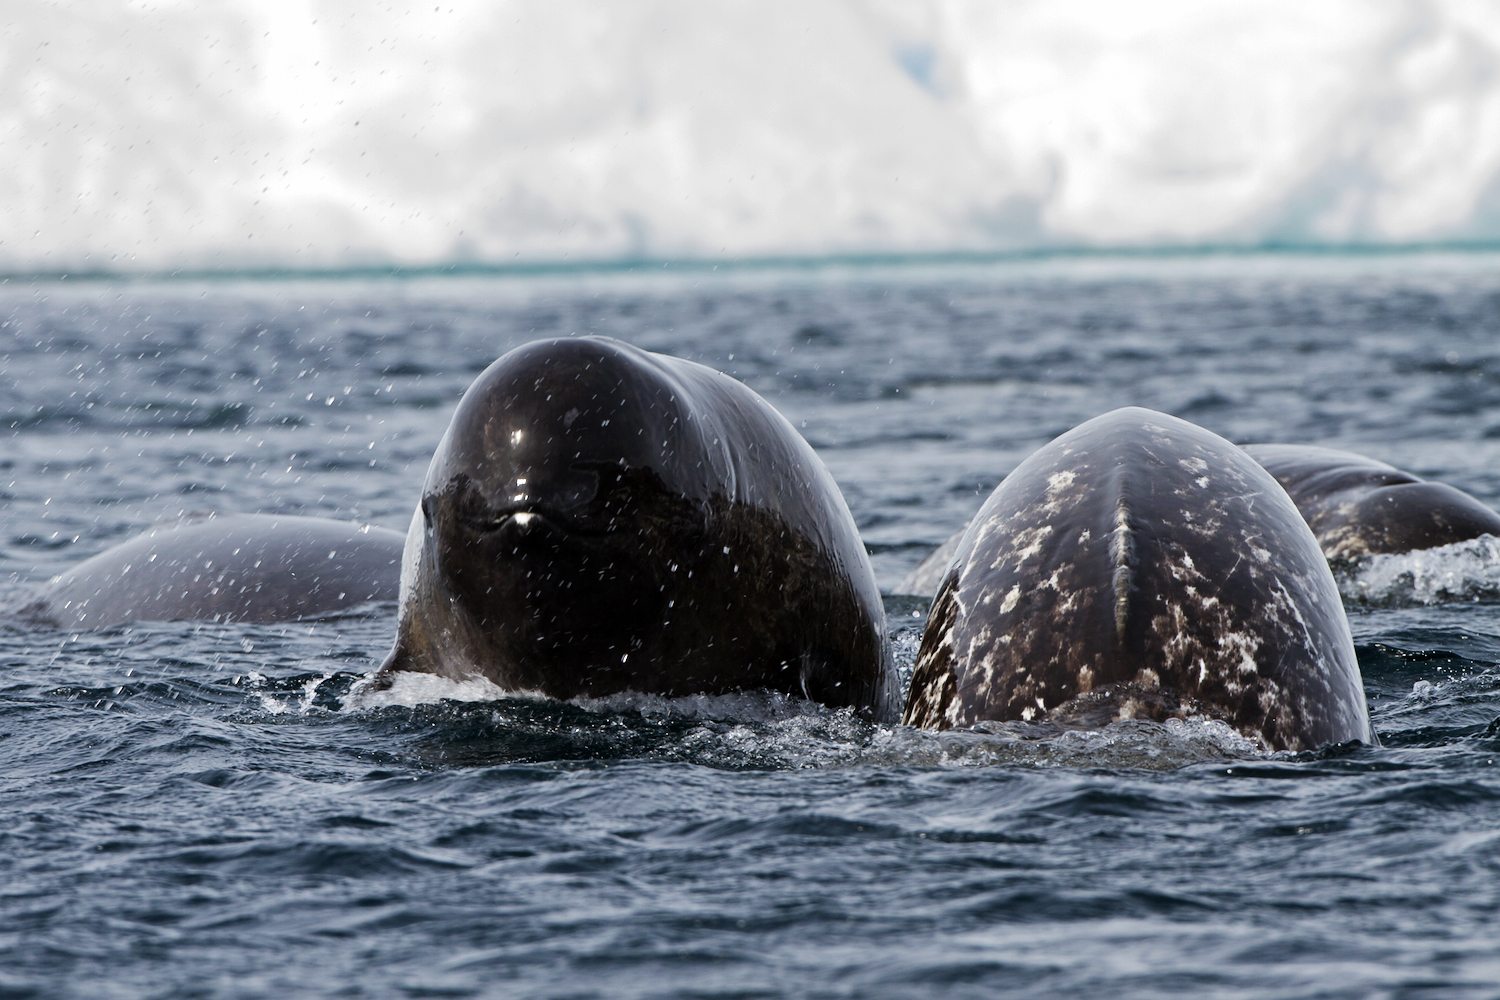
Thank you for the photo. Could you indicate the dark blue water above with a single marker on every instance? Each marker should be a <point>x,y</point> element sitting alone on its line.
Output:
<point>206,810</point>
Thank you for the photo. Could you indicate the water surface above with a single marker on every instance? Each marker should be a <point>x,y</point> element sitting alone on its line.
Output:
<point>199,809</point>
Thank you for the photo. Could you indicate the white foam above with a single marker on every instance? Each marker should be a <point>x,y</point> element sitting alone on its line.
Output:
<point>408,689</point>
<point>330,133</point>
<point>1141,744</point>
<point>1463,571</point>
<point>1424,692</point>
<point>286,704</point>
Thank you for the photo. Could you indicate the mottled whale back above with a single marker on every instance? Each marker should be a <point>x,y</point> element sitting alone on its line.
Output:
<point>1358,507</point>
<point>599,518</point>
<point>237,567</point>
<point>1140,566</point>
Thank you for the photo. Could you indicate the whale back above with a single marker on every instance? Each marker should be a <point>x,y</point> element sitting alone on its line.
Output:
<point>231,567</point>
<point>1140,566</point>
<point>1357,506</point>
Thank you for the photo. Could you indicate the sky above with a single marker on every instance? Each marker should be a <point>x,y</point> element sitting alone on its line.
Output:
<point>147,136</point>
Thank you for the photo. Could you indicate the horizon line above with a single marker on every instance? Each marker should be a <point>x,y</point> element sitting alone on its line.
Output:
<point>549,267</point>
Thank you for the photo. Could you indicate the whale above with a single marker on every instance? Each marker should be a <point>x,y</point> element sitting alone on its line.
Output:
<point>237,567</point>
<point>1357,506</point>
<point>1141,567</point>
<point>598,518</point>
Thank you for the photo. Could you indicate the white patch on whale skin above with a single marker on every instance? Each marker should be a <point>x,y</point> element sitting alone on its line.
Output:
<point>1012,597</point>
<point>1183,569</point>
<point>1241,649</point>
<point>1028,544</point>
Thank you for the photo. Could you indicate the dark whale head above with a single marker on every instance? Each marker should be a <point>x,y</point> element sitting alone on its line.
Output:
<point>557,431</point>
<point>598,518</point>
<point>568,472</point>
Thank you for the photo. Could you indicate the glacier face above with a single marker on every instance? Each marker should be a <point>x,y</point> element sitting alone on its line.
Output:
<point>313,133</point>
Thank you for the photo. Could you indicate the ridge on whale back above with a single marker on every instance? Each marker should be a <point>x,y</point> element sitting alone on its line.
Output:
<point>599,518</point>
<point>1140,566</point>
<point>1357,506</point>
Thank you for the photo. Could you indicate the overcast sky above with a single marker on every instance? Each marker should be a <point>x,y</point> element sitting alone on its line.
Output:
<point>152,135</point>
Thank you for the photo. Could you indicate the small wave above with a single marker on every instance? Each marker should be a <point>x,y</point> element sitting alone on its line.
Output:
<point>43,417</point>
<point>1441,710</point>
<point>742,706</point>
<point>146,416</point>
<point>1467,571</point>
<point>175,415</point>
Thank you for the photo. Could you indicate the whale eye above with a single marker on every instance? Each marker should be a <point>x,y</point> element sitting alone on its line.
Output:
<point>608,492</point>
<point>583,488</point>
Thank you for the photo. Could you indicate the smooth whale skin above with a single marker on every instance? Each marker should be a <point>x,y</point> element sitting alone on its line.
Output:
<point>1140,566</point>
<point>238,567</point>
<point>1359,507</point>
<point>598,518</point>
<point>925,580</point>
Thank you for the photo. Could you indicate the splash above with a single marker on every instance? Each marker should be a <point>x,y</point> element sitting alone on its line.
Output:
<point>1132,744</point>
<point>750,730</point>
<point>1466,571</point>
<point>329,134</point>
<point>407,689</point>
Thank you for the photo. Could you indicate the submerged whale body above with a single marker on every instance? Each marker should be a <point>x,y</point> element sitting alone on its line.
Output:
<point>1140,566</point>
<point>239,567</point>
<point>1359,507</point>
<point>599,518</point>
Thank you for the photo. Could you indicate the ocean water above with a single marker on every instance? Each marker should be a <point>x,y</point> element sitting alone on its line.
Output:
<point>202,809</point>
